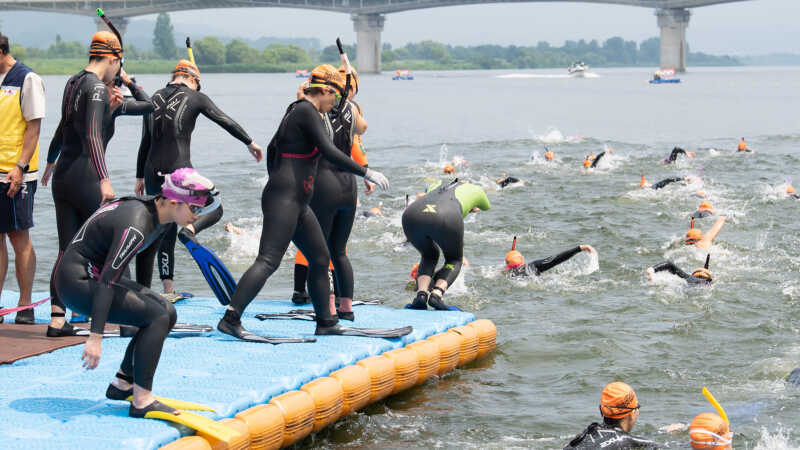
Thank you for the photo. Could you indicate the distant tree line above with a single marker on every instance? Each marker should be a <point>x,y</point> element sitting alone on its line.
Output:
<point>238,55</point>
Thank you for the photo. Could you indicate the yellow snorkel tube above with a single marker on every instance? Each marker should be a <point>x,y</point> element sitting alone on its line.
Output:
<point>716,405</point>
<point>189,49</point>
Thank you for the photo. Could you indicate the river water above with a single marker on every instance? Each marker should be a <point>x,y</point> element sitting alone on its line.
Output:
<point>564,335</point>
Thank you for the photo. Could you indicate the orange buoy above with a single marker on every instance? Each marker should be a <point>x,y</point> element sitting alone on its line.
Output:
<point>428,357</point>
<point>487,336</point>
<point>188,443</point>
<point>449,344</point>
<point>265,425</point>
<point>298,415</point>
<point>468,349</point>
<point>406,368</point>
<point>327,394</point>
<point>355,383</point>
<point>381,375</point>
<point>241,442</point>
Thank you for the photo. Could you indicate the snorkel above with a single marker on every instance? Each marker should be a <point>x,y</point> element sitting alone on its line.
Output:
<point>349,73</point>
<point>117,77</point>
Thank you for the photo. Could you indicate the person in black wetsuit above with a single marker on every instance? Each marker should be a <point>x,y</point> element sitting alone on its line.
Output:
<point>504,181</point>
<point>90,278</point>
<point>166,145</point>
<point>81,181</point>
<point>516,267</point>
<point>436,221</point>
<point>674,155</point>
<point>292,156</point>
<point>620,409</point>
<point>334,202</point>
<point>597,159</point>
<point>700,276</point>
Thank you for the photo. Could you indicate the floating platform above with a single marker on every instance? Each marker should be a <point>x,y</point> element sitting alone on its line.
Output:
<point>666,81</point>
<point>270,395</point>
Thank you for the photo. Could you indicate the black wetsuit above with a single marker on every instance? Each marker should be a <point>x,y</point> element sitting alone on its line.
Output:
<point>506,181</point>
<point>292,158</point>
<point>699,214</point>
<point>670,267</point>
<point>79,144</point>
<point>437,219</point>
<point>334,204</point>
<point>165,147</point>
<point>666,181</point>
<point>90,279</point>
<point>539,266</point>
<point>674,155</point>
<point>597,159</point>
<point>607,437</point>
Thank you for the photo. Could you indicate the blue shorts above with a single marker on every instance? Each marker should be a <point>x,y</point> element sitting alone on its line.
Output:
<point>16,213</point>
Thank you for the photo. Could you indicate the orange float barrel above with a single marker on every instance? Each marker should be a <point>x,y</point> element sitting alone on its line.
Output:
<point>449,344</point>
<point>298,415</point>
<point>428,357</point>
<point>406,368</point>
<point>265,424</point>
<point>381,375</point>
<point>188,443</point>
<point>241,442</point>
<point>355,381</point>
<point>487,336</point>
<point>468,350</point>
<point>327,394</point>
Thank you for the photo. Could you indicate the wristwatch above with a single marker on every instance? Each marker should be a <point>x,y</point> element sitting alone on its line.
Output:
<point>24,167</point>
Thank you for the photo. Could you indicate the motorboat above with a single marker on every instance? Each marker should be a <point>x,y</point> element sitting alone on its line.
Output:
<point>578,69</point>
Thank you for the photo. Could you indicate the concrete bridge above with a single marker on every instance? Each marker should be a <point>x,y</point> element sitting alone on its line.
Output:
<point>369,16</point>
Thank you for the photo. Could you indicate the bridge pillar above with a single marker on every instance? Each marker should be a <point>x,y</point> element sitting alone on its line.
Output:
<point>368,29</point>
<point>673,23</point>
<point>120,22</point>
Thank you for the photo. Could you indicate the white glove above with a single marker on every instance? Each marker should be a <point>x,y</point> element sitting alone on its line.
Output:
<point>377,178</point>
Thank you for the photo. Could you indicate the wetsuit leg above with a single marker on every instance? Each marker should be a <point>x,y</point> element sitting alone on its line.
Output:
<point>300,277</point>
<point>309,239</point>
<point>337,245</point>
<point>134,305</point>
<point>450,239</point>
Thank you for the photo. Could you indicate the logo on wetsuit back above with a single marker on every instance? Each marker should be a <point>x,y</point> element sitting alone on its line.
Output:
<point>132,239</point>
<point>98,91</point>
<point>429,208</point>
<point>100,212</point>
<point>308,184</point>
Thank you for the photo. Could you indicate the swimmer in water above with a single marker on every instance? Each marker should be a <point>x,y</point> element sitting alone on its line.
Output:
<point>704,210</point>
<point>743,146</point>
<point>549,155</point>
<point>643,183</point>
<point>374,212</point>
<point>504,181</point>
<point>700,276</point>
<point>696,237</point>
<point>678,151</point>
<point>597,159</point>
<point>449,169</point>
<point>516,267</point>
<point>790,189</point>
<point>620,409</point>
<point>708,431</point>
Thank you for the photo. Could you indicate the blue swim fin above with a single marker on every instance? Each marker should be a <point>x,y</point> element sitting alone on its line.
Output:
<point>218,276</point>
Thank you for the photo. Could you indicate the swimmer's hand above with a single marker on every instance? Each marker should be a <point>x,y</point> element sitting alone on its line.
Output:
<point>672,428</point>
<point>588,248</point>
<point>256,151</point>
<point>106,191</point>
<point>650,272</point>
<point>48,171</point>
<point>370,187</point>
<point>138,189</point>
<point>377,178</point>
<point>92,350</point>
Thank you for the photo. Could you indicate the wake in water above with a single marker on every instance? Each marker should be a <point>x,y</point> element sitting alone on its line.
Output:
<point>554,136</point>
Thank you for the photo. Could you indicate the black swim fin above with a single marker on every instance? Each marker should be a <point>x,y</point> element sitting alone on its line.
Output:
<point>338,330</point>
<point>237,330</point>
<point>216,274</point>
<point>288,316</point>
<point>179,330</point>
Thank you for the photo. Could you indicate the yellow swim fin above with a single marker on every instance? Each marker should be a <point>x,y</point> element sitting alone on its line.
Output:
<point>197,422</point>
<point>180,404</point>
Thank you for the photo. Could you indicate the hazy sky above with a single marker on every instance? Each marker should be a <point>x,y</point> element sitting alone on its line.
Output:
<point>749,27</point>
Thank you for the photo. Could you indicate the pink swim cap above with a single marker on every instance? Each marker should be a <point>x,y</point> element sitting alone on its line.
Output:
<point>188,186</point>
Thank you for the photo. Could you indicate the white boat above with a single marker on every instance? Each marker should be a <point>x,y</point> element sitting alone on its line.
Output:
<point>578,69</point>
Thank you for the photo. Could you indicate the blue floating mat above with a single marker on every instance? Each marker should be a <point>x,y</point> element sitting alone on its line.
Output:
<point>51,402</point>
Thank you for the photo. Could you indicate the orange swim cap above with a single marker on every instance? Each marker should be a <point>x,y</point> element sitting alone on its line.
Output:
<point>414,271</point>
<point>587,163</point>
<point>448,168</point>
<point>702,272</point>
<point>325,75</point>
<point>693,235</point>
<point>548,155</point>
<point>642,182</point>
<point>514,259</point>
<point>420,194</point>
<point>186,67</point>
<point>705,206</point>
<point>790,189</point>
<point>105,43</point>
<point>618,400</point>
<point>709,431</point>
<point>353,78</point>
